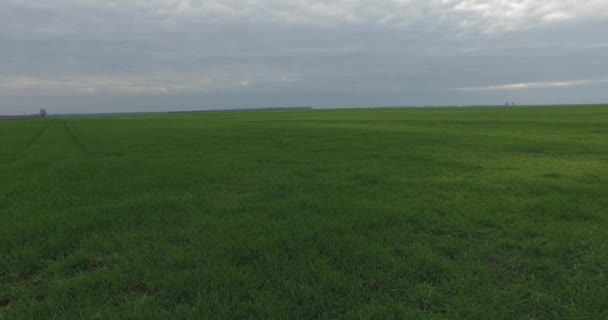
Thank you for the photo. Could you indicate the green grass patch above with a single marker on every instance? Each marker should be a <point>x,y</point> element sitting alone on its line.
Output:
<point>442,213</point>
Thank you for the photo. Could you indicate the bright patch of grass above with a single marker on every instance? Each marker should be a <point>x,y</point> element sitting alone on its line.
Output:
<point>495,213</point>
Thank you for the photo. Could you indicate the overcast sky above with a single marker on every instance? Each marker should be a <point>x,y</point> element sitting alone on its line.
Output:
<point>149,55</point>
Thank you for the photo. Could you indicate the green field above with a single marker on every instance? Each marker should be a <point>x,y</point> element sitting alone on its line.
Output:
<point>438,213</point>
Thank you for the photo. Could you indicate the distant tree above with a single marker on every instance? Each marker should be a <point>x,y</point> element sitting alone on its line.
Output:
<point>43,113</point>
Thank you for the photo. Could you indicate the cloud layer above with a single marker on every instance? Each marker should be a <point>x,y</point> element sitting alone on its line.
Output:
<point>537,85</point>
<point>408,50</point>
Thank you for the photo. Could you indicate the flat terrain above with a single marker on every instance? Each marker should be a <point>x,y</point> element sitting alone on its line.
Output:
<point>444,213</point>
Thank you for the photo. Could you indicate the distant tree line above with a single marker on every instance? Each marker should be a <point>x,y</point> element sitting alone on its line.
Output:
<point>42,114</point>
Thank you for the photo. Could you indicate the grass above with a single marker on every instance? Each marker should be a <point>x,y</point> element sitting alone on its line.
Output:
<point>446,213</point>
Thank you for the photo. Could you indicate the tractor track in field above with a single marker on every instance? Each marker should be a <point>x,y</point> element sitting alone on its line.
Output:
<point>28,144</point>
<point>75,140</point>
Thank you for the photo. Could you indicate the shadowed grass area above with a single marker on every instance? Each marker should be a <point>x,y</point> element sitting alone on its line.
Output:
<point>443,213</point>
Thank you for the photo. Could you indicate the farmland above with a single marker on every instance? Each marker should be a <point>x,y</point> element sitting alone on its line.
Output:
<point>431,213</point>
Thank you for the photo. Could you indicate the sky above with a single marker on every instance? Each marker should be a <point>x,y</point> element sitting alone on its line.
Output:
<point>87,56</point>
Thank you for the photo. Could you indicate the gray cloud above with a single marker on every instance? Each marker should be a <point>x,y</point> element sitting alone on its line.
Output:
<point>199,54</point>
<point>537,85</point>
